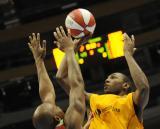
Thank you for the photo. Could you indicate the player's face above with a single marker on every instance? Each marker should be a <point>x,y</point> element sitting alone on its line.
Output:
<point>114,84</point>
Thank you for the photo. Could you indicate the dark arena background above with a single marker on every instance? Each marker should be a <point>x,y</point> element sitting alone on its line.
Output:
<point>18,79</point>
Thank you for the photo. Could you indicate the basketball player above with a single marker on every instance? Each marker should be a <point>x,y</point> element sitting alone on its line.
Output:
<point>47,115</point>
<point>118,108</point>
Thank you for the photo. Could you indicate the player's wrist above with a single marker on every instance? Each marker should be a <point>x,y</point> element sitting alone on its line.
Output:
<point>38,60</point>
<point>127,53</point>
<point>69,49</point>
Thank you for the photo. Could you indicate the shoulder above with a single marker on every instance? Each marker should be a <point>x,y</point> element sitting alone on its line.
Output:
<point>129,98</point>
<point>88,96</point>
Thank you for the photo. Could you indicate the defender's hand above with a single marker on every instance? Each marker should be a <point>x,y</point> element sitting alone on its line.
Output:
<point>38,50</point>
<point>64,41</point>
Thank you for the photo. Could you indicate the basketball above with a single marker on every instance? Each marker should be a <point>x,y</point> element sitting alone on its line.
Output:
<point>80,22</point>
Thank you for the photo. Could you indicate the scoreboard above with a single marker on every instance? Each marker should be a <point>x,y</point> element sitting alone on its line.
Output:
<point>97,49</point>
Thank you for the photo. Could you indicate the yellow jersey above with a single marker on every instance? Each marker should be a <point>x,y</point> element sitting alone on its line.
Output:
<point>113,112</point>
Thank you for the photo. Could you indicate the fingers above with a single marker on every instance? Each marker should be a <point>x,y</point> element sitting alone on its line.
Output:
<point>30,39</point>
<point>38,39</point>
<point>133,39</point>
<point>62,31</point>
<point>57,43</point>
<point>69,34</point>
<point>56,36</point>
<point>38,36</point>
<point>34,36</point>
<point>29,44</point>
<point>58,32</point>
<point>44,44</point>
<point>44,48</point>
<point>35,41</point>
<point>125,36</point>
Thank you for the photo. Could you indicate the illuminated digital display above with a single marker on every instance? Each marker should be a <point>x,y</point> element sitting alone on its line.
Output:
<point>107,47</point>
<point>114,45</point>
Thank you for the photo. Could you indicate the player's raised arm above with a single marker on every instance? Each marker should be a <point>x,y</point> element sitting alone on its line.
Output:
<point>76,96</point>
<point>141,95</point>
<point>46,89</point>
<point>62,74</point>
<point>47,113</point>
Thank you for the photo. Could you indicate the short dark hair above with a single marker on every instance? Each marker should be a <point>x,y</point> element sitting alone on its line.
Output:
<point>43,117</point>
<point>44,120</point>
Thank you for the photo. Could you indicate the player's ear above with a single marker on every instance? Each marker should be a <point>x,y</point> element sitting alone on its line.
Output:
<point>125,86</point>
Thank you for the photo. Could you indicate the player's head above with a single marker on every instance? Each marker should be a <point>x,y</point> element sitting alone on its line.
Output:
<point>117,83</point>
<point>46,116</point>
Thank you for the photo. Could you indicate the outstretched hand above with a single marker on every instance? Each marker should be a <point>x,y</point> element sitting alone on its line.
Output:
<point>129,44</point>
<point>38,50</point>
<point>64,41</point>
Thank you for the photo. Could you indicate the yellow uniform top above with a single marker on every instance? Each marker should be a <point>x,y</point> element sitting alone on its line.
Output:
<point>113,112</point>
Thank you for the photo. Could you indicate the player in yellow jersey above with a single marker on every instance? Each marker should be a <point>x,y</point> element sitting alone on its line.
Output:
<point>118,108</point>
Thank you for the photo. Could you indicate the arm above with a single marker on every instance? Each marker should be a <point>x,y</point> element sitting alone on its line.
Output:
<point>76,96</point>
<point>46,89</point>
<point>141,95</point>
<point>66,44</point>
<point>74,73</point>
<point>86,126</point>
<point>48,109</point>
<point>62,75</point>
<point>90,117</point>
<point>87,96</point>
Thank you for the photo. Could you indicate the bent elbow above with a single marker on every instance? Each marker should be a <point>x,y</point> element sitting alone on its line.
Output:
<point>144,91</point>
<point>143,86</point>
<point>146,87</point>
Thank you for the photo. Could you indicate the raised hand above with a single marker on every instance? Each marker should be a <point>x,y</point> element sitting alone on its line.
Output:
<point>38,50</point>
<point>61,36</point>
<point>64,41</point>
<point>129,44</point>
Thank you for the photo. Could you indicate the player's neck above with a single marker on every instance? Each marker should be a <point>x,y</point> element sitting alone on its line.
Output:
<point>122,93</point>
